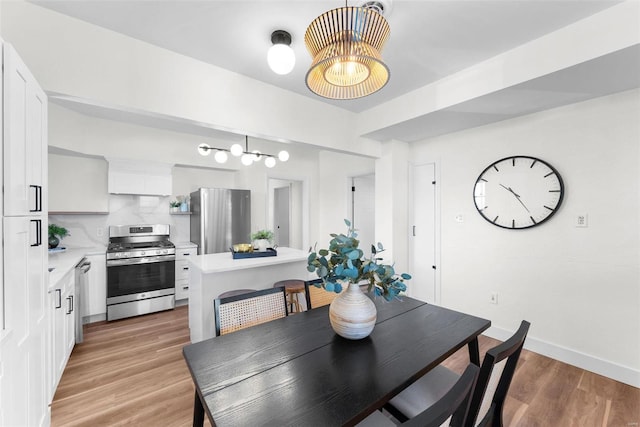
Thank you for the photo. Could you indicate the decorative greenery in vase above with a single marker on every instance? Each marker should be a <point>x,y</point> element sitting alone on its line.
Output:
<point>344,261</point>
<point>55,234</point>
<point>262,235</point>
<point>262,239</point>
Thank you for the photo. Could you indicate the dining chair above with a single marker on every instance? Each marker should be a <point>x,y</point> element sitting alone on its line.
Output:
<point>487,401</point>
<point>317,297</point>
<point>249,309</point>
<point>452,409</point>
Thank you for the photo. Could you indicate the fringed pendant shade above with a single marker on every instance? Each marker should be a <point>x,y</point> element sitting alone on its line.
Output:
<point>345,44</point>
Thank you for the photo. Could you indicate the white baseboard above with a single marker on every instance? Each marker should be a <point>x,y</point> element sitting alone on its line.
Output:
<point>624,374</point>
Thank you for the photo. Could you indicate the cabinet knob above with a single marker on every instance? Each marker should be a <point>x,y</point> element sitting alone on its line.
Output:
<point>185,288</point>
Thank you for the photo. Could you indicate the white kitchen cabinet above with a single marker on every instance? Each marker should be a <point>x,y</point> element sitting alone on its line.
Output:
<point>68,194</point>
<point>25,354</point>
<point>94,298</point>
<point>25,142</point>
<point>24,350</point>
<point>183,253</point>
<point>139,177</point>
<point>63,333</point>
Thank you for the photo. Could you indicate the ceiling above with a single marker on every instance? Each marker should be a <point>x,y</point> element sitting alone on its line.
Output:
<point>429,41</point>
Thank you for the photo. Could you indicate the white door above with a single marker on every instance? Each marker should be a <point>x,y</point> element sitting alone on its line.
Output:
<point>363,193</point>
<point>281,215</point>
<point>422,240</point>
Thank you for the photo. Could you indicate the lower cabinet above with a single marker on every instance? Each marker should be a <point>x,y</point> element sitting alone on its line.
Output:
<point>63,334</point>
<point>183,253</point>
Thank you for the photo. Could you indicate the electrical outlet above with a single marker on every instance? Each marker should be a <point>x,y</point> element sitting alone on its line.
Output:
<point>493,298</point>
<point>99,231</point>
<point>459,218</point>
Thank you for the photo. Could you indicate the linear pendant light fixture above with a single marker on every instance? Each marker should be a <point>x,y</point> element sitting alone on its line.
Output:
<point>345,45</point>
<point>246,157</point>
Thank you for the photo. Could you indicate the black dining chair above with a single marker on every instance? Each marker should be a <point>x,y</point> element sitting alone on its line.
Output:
<point>249,309</point>
<point>451,409</point>
<point>487,402</point>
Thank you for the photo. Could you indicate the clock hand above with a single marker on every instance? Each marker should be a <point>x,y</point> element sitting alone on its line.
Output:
<point>516,195</point>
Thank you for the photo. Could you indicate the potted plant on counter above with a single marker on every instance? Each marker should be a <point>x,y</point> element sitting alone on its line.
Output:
<point>174,206</point>
<point>55,234</point>
<point>262,239</point>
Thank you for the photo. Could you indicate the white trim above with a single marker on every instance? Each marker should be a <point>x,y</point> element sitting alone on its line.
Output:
<point>621,373</point>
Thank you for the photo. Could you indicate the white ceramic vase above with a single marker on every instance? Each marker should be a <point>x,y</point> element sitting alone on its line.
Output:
<point>262,244</point>
<point>352,314</point>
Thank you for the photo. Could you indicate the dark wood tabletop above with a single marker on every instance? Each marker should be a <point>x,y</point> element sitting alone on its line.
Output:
<point>297,371</point>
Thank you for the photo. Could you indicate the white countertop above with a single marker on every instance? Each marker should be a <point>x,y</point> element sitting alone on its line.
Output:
<point>63,262</point>
<point>185,245</point>
<point>216,263</point>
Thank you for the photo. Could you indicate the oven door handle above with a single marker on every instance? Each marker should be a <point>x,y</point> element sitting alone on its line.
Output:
<point>142,260</point>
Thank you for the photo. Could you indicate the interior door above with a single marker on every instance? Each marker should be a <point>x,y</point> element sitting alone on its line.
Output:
<point>281,215</point>
<point>363,212</point>
<point>422,240</point>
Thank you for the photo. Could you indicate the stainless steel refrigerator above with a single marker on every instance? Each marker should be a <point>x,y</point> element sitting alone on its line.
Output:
<point>220,218</point>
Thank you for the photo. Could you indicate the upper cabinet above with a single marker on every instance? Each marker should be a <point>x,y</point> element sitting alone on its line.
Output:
<point>68,194</point>
<point>25,139</point>
<point>139,177</point>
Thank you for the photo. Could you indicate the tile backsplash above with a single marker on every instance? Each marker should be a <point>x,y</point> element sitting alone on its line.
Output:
<point>93,230</point>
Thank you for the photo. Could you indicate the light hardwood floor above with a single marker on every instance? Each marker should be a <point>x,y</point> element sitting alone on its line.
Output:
<point>131,372</point>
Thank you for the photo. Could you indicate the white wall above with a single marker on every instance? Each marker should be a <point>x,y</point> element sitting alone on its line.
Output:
<point>336,170</point>
<point>188,179</point>
<point>579,287</point>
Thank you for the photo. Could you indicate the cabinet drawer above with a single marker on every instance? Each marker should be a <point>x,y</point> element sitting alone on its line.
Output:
<point>182,270</point>
<point>182,289</point>
<point>185,253</point>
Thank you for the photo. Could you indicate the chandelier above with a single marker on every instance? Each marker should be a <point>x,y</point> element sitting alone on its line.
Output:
<point>247,157</point>
<point>345,45</point>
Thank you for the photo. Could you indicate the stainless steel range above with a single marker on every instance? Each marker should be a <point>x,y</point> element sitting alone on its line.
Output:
<point>140,270</point>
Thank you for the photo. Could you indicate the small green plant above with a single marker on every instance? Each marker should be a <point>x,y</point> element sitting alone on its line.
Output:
<point>262,234</point>
<point>345,262</point>
<point>174,204</point>
<point>57,231</point>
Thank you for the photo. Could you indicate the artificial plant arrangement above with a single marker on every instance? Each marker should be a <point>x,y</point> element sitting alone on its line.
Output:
<point>57,231</point>
<point>344,261</point>
<point>262,235</point>
<point>55,234</point>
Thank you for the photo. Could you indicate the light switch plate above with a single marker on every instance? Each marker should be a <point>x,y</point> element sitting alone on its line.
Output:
<point>582,220</point>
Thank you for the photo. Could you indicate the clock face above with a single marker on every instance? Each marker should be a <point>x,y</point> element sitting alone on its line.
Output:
<point>518,192</point>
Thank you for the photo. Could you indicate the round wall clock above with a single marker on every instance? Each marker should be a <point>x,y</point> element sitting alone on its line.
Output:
<point>518,192</point>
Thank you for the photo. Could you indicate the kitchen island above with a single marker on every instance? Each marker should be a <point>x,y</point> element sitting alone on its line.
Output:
<point>212,274</point>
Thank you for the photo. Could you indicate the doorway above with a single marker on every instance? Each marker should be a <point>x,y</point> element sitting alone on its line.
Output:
<point>363,194</point>
<point>422,237</point>
<point>287,214</point>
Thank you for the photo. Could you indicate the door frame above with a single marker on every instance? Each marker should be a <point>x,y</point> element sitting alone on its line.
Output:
<point>305,204</point>
<point>437,224</point>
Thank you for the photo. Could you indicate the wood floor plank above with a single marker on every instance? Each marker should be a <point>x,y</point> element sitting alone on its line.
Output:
<point>131,373</point>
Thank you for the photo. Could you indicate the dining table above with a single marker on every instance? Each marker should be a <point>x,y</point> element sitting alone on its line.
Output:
<point>296,371</point>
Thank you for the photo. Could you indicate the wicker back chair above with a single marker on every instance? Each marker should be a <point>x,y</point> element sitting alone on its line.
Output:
<point>317,297</point>
<point>249,309</point>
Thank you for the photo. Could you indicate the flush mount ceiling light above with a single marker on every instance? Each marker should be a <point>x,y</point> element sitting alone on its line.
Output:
<point>246,157</point>
<point>280,56</point>
<point>345,45</point>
